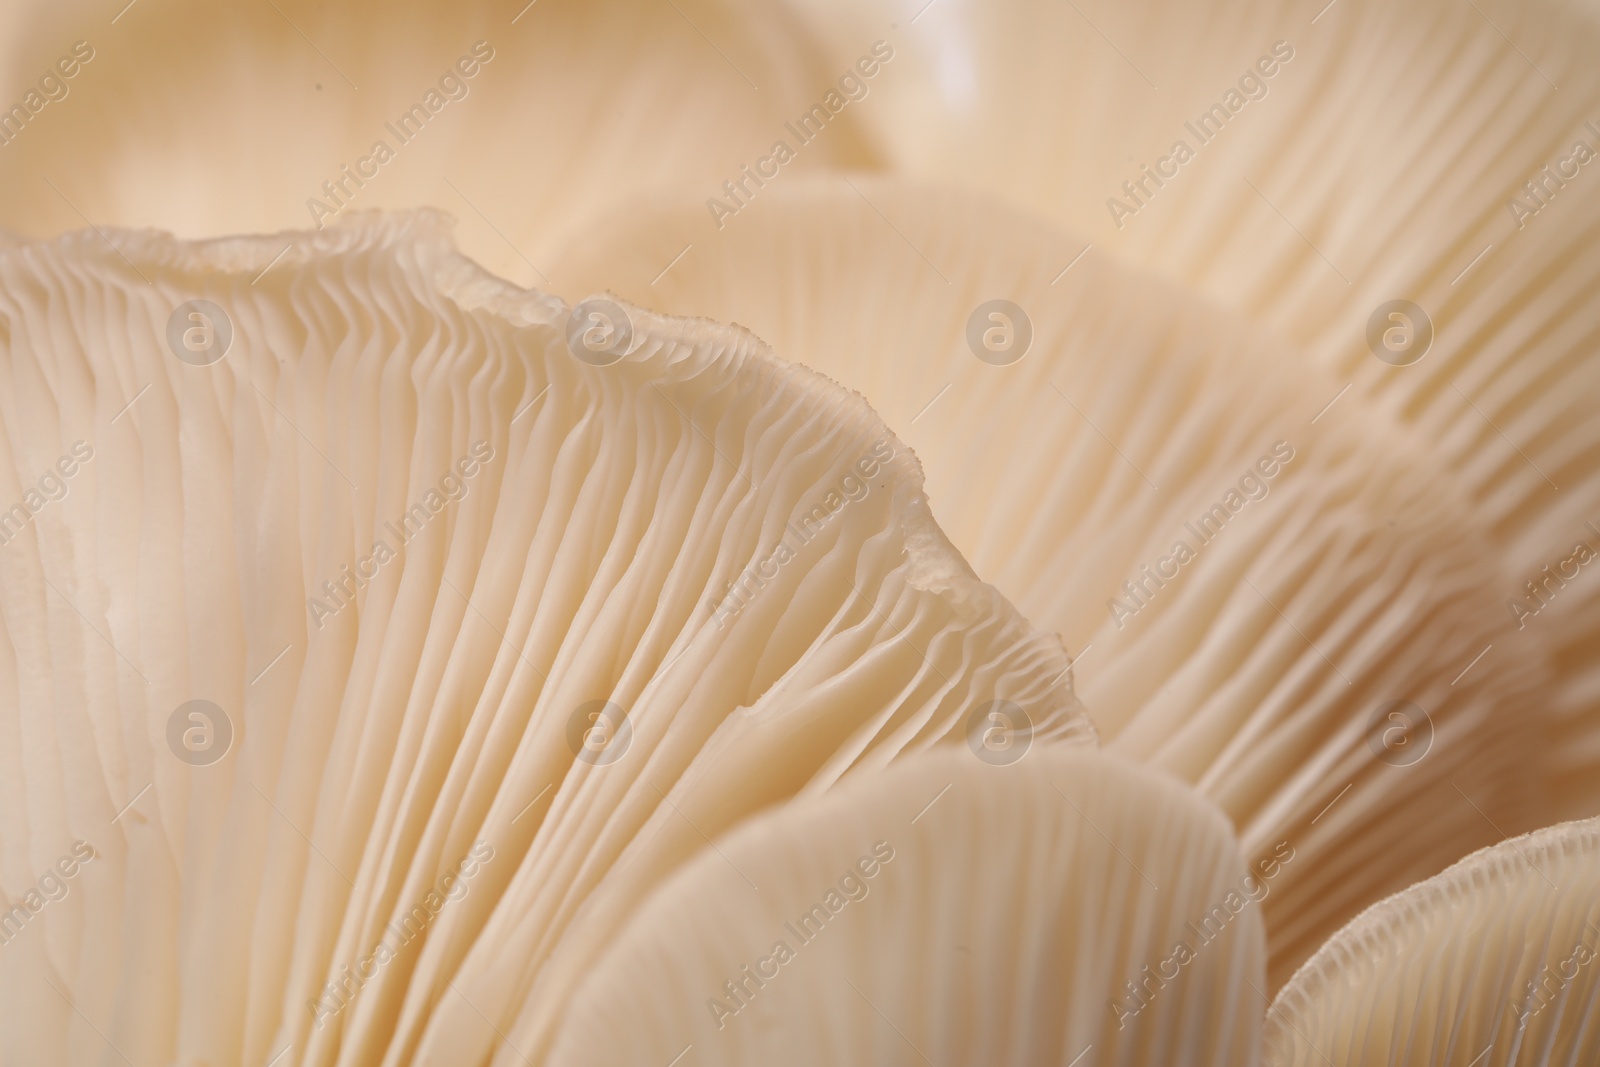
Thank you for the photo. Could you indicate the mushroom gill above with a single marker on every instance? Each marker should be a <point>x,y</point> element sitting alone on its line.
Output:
<point>1270,599</point>
<point>392,631</point>
<point>1070,907</point>
<point>1337,156</point>
<point>1491,962</point>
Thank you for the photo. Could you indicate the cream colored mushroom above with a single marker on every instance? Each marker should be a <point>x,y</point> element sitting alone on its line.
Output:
<point>1492,962</point>
<point>1068,909</point>
<point>1276,589</point>
<point>463,579</point>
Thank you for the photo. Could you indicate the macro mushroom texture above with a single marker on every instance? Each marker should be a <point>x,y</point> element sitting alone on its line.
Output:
<point>372,615</point>
<point>1249,575</point>
<point>919,961</point>
<point>269,116</point>
<point>372,583</point>
<point>1401,984</point>
<point>484,660</point>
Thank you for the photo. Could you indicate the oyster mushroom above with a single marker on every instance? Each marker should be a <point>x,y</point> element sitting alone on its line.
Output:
<point>1300,657</point>
<point>1364,189</point>
<point>1387,549</point>
<point>452,594</point>
<point>280,116</point>
<point>1067,907</point>
<point>1440,153</point>
<point>1492,961</point>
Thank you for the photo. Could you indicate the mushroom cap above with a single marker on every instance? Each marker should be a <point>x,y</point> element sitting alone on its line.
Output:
<point>947,912</point>
<point>1303,658</point>
<point>458,582</point>
<point>1492,961</point>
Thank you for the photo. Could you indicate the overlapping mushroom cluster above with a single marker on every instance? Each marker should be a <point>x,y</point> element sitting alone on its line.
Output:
<point>403,665</point>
